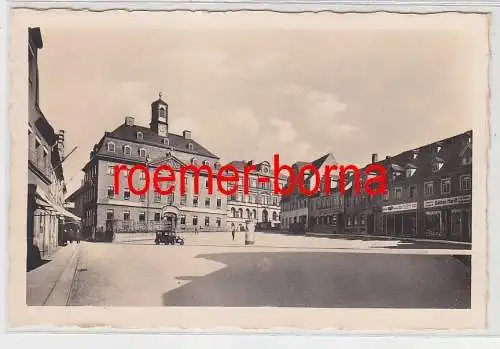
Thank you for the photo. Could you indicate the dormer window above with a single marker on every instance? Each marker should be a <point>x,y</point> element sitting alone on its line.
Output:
<point>437,165</point>
<point>438,149</point>
<point>410,172</point>
<point>126,150</point>
<point>142,153</point>
<point>190,146</point>
<point>140,136</point>
<point>111,147</point>
<point>165,141</point>
<point>414,155</point>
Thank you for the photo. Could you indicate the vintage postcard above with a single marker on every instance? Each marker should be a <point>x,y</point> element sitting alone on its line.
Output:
<point>252,170</point>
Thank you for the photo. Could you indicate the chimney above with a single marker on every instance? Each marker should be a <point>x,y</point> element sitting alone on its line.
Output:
<point>374,158</point>
<point>129,121</point>
<point>186,134</point>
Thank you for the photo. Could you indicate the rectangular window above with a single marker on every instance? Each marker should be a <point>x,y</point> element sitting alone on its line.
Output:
<point>195,201</point>
<point>110,214</point>
<point>219,203</point>
<point>412,191</point>
<point>207,202</point>
<point>428,188</point>
<point>142,197</point>
<point>126,215</point>
<point>195,220</point>
<point>157,197</point>
<point>110,170</point>
<point>111,192</point>
<point>142,217</point>
<point>170,199</point>
<point>183,219</point>
<point>183,199</point>
<point>206,183</point>
<point>218,220</point>
<point>465,182</point>
<point>207,221</point>
<point>398,193</point>
<point>445,186</point>
<point>157,216</point>
<point>126,194</point>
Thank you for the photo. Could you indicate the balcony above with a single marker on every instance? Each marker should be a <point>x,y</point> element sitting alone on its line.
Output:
<point>41,164</point>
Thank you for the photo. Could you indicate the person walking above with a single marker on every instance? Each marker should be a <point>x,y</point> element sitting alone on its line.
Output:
<point>77,235</point>
<point>196,230</point>
<point>233,232</point>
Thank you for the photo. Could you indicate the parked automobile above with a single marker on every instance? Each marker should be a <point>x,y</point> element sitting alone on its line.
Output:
<point>168,238</point>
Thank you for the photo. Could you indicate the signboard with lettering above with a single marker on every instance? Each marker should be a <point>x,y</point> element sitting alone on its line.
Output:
<point>464,199</point>
<point>401,207</point>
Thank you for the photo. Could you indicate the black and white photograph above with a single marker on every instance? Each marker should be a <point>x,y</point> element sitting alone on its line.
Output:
<point>317,162</point>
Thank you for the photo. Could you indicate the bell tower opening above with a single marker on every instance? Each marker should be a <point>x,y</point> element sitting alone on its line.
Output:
<point>159,117</point>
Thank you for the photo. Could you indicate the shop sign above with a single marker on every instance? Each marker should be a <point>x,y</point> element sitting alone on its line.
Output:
<point>401,207</point>
<point>464,199</point>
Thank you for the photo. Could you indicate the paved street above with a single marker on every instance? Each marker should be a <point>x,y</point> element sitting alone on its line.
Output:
<point>286,271</point>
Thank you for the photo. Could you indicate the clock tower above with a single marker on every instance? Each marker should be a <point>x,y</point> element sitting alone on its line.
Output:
<point>159,117</point>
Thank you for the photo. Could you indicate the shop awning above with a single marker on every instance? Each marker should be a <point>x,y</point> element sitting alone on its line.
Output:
<point>43,200</point>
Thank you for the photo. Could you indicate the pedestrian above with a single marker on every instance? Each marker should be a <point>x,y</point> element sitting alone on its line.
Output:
<point>77,235</point>
<point>196,230</point>
<point>233,232</point>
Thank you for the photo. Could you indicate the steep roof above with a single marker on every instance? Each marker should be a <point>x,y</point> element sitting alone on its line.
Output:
<point>177,142</point>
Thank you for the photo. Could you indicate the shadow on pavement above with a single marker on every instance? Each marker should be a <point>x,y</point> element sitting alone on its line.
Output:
<point>327,280</point>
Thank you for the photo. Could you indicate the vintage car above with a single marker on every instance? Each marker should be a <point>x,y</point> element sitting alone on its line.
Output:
<point>168,237</point>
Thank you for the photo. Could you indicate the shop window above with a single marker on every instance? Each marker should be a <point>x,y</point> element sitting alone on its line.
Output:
<point>445,186</point>
<point>433,223</point>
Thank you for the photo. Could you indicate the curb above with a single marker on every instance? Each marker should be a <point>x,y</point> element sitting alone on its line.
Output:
<point>386,238</point>
<point>61,291</point>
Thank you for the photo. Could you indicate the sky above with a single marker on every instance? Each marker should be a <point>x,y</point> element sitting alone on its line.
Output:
<point>249,93</point>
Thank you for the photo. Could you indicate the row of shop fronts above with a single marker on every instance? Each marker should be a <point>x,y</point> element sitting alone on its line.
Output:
<point>439,219</point>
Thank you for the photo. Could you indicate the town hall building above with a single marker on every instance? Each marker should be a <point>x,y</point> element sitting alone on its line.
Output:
<point>106,213</point>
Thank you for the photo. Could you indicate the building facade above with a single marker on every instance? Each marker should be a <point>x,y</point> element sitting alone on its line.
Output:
<point>429,194</point>
<point>301,212</point>
<point>46,188</point>
<point>261,205</point>
<point>107,213</point>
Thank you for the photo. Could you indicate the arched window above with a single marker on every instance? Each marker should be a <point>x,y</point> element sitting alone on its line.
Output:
<point>190,146</point>
<point>233,212</point>
<point>142,153</point>
<point>240,211</point>
<point>275,216</point>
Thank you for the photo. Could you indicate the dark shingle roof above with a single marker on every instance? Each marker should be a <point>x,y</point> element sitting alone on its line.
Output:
<point>176,142</point>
